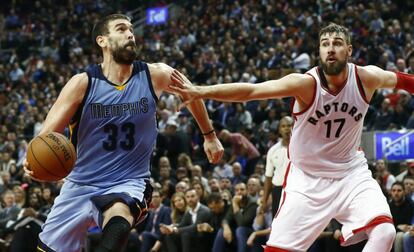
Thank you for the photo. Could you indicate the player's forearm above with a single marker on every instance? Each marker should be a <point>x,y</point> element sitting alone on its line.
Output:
<point>199,111</point>
<point>232,92</point>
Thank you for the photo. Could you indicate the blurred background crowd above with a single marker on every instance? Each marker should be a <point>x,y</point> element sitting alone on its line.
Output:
<point>43,43</point>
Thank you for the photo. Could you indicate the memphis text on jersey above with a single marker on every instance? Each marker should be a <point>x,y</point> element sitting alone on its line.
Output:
<point>99,110</point>
<point>336,107</point>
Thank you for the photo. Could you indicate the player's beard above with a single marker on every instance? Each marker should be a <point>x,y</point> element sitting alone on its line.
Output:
<point>126,54</point>
<point>335,68</point>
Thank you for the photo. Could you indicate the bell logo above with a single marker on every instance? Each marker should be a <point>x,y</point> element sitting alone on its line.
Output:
<point>394,145</point>
<point>396,148</point>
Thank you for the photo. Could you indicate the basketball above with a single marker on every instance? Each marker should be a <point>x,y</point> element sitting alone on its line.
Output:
<point>51,156</point>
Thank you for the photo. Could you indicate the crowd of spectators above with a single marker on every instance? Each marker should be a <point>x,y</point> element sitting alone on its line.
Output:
<point>43,43</point>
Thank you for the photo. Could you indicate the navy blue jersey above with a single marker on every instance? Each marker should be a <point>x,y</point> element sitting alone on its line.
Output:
<point>115,129</point>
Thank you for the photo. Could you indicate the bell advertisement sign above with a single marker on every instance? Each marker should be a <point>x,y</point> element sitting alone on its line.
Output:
<point>394,145</point>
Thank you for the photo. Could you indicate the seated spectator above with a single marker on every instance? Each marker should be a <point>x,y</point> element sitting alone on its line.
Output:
<point>181,187</point>
<point>388,179</point>
<point>219,208</point>
<point>10,210</point>
<point>197,173</point>
<point>172,243</point>
<point>25,230</point>
<point>213,183</point>
<point>225,184</point>
<point>201,192</point>
<point>191,239</point>
<point>238,177</point>
<point>223,168</point>
<point>402,210</point>
<point>181,173</point>
<point>20,195</point>
<point>409,171</point>
<point>409,187</point>
<point>261,225</point>
<point>253,188</point>
<point>238,221</point>
<point>227,196</point>
<point>159,214</point>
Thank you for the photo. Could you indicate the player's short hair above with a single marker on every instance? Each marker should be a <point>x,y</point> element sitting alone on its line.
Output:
<point>101,27</point>
<point>335,28</point>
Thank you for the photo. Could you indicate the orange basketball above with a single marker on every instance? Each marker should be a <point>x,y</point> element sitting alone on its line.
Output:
<point>51,156</point>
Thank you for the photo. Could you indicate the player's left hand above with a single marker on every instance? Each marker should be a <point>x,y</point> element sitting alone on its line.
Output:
<point>28,172</point>
<point>213,148</point>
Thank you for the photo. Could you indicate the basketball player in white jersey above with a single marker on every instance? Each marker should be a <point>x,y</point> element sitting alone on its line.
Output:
<point>328,176</point>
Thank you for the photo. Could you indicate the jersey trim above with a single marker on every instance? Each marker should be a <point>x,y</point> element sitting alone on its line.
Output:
<point>360,86</point>
<point>284,192</point>
<point>41,247</point>
<point>74,122</point>
<point>313,99</point>
<point>151,87</point>
<point>324,82</point>
<point>374,222</point>
<point>118,87</point>
<point>268,248</point>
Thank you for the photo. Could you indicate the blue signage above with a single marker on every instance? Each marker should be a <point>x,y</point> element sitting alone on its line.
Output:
<point>394,145</point>
<point>157,15</point>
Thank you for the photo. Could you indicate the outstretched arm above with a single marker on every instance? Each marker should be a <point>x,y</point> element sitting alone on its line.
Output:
<point>299,86</point>
<point>373,77</point>
<point>161,79</point>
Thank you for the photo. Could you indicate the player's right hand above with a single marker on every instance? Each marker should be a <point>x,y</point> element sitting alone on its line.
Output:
<point>26,168</point>
<point>184,88</point>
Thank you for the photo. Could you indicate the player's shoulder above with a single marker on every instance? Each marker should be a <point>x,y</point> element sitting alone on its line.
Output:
<point>80,79</point>
<point>303,81</point>
<point>368,75</point>
<point>159,68</point>
<point>369,71</point>
<point>78,84</point>
<point>160,75</point>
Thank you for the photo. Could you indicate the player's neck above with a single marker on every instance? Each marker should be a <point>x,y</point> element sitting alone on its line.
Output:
<point>337,81</point>
<point>116,73</point>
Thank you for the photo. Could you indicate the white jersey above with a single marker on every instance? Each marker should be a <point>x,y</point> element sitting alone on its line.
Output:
<point>276,163</point>
<point>326,135</point>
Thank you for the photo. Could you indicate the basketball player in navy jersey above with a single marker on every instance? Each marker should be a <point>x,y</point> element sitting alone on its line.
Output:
<point>111,110</point>
<point>328,176</point>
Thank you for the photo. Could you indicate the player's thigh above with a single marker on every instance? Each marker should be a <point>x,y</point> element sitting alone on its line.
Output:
<point>67,224</point>
<point>299,222</point>
<point>128,200</point>
<point>362,205</point>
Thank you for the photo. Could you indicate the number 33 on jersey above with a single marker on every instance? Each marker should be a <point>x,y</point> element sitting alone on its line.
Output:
<point>115,124</point>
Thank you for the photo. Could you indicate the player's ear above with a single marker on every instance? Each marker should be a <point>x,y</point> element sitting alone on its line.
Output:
<point>101,41</point>
<point>350,50</point>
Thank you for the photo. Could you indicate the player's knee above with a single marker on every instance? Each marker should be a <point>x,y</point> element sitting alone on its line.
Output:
<point>118,209</point>
<point>384,233</point>
<point>115,234</point>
